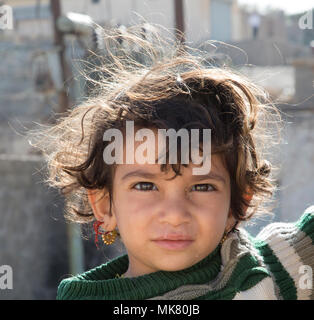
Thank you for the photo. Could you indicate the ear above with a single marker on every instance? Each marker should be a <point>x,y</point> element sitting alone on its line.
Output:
<point>231,220</point>
<point>100,204</point>
<point>248,197</point>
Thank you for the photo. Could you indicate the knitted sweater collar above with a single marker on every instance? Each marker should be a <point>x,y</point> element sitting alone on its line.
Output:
<point>102,283</point>
<point>232,267</point>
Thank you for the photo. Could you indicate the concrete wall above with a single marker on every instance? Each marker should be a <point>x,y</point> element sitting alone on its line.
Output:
<point>32,231</point>
<point>123,12</point>
<point>294,158</point>
<point>297,172</point>
<point>221,20</point>
<point>34,236</point>
<point>21,103</point>
<point>274,52</point>
<point>198,19</point>
<point>304,77</point>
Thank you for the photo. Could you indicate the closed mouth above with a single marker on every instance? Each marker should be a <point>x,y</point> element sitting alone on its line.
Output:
<point>174,237</point>
<point>173,244</point>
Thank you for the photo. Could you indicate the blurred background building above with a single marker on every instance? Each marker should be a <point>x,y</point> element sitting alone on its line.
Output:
<point>39,74</point>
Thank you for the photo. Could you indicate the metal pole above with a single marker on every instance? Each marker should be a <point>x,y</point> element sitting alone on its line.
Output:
<point>59,43</point>
<point>75,245</point>
<point>179,20</point>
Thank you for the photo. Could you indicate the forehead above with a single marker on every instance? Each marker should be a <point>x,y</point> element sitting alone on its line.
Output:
<point>151,142</point>
<point>141,152</point>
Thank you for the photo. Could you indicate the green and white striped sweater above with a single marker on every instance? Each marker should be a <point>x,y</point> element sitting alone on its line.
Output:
<point>276,264</point>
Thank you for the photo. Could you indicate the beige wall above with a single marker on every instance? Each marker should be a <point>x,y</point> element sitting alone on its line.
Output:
<point>197,15</point>
<point>123,11</point>
<point>197,20</point>
<point>22,3</point>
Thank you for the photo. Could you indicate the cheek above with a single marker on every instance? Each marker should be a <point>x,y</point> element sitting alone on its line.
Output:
<point>139,203</point>
<point>133,224</point>
<point>216,202</point>
<point>132,212</point>
<point>213,212</point>
<point>211,227</point>
<point>212,218</point>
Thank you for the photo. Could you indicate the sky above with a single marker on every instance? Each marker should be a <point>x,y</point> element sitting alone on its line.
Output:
<point>289,6</point>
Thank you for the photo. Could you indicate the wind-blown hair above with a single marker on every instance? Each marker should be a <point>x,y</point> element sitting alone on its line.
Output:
<point>158,83</point>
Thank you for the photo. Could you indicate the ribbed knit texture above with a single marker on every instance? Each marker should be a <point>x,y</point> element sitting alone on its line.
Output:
<point>264,267</point>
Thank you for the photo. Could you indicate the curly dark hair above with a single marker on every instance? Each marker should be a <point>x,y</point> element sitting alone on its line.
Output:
<point>171,87</point>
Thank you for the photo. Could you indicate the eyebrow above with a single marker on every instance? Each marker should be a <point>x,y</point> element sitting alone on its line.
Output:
<point>211,176</point>
<point>148,175</point>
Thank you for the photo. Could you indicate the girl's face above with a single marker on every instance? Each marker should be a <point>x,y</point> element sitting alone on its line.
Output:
<point>170,224</point>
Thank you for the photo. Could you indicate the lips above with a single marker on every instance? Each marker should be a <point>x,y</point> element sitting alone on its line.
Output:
<point>173,241</point>
<point>173,244</point>
<point>174,237</point>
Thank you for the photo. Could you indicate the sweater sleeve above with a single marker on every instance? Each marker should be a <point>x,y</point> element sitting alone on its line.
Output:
<point>288,252</point>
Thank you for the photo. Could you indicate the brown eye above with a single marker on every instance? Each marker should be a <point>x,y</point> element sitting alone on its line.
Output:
<point>203,187</point>
<point>145,186</point>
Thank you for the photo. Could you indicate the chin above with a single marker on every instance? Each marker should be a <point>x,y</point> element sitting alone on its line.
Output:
<point>175,264</point>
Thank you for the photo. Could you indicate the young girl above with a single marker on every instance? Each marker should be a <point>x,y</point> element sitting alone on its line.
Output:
<point>181,228</point>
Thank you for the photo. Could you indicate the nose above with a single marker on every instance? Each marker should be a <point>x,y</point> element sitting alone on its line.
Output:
<point>174,211</point>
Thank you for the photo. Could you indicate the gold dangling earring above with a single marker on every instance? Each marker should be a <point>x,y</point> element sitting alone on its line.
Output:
<point>224,237</point>
<point>109,237</point>
<point>226,233</point>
